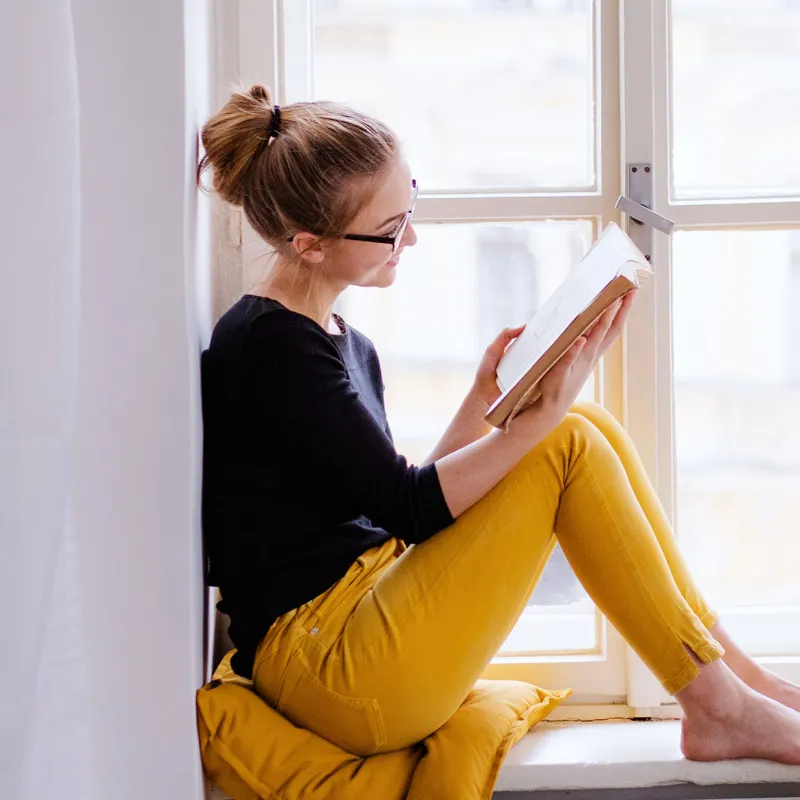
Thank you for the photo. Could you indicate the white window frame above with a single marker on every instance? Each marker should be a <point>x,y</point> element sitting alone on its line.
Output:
<point>275,47</point>
<point>647,126</point>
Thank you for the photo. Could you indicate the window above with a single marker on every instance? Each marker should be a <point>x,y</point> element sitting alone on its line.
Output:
<point>716,375</point>
<point>518,122</point>
<point>737,469</point>
<point>472,132</point>
<point>736,397</point>
<point>483,94</point>
<point>744,55</point>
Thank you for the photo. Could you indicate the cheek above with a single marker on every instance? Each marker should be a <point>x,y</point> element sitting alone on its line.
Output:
<point>358,259</point>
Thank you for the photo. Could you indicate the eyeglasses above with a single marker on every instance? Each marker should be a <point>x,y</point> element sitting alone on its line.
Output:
<point>393,238</point>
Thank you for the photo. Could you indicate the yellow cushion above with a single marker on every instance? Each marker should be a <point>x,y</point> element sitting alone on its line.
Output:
<point>463,758</point>
<point>253,753</point>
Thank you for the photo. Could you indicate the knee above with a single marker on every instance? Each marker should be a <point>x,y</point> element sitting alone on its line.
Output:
<point>571,438</point>
<point>584,407</point>
<point>593,412</point>
<point>576,426</point>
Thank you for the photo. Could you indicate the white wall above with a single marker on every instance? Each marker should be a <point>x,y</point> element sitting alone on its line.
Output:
<point>104,305</point>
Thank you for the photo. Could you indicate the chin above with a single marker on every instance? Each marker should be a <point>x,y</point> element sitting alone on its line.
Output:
<point>388,276</point>
<point>379,277</point>
<point>383,278</point>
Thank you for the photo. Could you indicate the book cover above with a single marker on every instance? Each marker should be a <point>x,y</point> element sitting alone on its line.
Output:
<point>611,268</point>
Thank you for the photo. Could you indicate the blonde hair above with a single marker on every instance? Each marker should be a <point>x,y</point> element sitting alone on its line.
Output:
<point>316,174</point>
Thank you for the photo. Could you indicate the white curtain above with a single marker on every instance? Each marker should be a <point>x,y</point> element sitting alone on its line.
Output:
<point>103,310</point>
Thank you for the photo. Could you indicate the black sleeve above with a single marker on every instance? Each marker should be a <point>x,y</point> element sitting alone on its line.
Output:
<point>300,390</point>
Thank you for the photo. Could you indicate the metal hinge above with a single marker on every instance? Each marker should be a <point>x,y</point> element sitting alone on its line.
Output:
<point>637,204</point>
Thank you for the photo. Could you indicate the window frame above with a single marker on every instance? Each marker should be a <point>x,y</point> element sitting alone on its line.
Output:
<point>650,402</point>
<point>631,83</point>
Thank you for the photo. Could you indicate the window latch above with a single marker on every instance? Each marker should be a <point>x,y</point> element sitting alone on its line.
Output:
<point>637,205</point>
<point>644,215</point>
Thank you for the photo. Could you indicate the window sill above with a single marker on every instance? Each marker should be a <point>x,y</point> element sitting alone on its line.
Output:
<point>625,755</point>
<point>603,759</point>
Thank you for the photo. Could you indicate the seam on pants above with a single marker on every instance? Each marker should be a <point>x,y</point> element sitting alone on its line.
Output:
<point>602,420</point>
<point>643,585</point>
<point>375,722</point>
<point>264,654</point>
<point>282,685</point>
<point>710,619</point>
<point>681,680</point>
<point>306,617</point>
<point>365,651</point>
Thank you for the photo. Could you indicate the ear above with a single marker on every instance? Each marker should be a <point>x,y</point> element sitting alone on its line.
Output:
<point>309,247</point>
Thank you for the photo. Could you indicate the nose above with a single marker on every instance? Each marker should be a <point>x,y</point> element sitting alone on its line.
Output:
<point>409,236</point>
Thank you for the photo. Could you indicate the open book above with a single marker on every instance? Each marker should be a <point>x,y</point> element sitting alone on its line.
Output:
<point>612,267</point>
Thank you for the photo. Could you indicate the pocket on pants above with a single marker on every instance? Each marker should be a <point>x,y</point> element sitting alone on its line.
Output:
<point>353,723</point>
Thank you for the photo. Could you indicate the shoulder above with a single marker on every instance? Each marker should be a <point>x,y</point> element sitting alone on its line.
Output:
<point>280,338</point>
<point>358,341</point>
<point>362,342</point>
<point>361,353</point>
<point>255,330</point>
<point>263,323</point>
<point>276,321</point>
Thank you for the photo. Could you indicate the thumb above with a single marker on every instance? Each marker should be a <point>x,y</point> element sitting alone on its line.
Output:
<point>502,340</point>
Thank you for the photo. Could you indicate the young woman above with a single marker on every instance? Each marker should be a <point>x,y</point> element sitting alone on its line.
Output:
<point>309,511</point>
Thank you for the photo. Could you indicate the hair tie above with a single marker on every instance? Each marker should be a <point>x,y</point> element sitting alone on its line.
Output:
<point>274,123</point>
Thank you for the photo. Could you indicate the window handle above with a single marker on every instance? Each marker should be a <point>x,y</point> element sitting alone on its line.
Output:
<point>644,215</point>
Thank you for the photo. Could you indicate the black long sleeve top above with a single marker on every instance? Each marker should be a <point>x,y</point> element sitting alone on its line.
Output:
<point>300,474</point>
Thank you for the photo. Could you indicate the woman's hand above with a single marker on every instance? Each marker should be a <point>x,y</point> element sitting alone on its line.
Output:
<point>485,386</point>
<point>561,385</point>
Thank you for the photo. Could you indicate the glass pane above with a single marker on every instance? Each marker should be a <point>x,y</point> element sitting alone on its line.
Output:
<point>455,291</point>
<point>737,392</point>
<point>736,84</point>
<point>483,93</point>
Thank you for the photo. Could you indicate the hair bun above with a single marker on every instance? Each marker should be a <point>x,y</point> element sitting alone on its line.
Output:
<point>233,137</point>
<point>259,92</point>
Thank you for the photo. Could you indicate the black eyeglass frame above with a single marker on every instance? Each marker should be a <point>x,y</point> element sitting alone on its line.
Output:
<point>394,238</point>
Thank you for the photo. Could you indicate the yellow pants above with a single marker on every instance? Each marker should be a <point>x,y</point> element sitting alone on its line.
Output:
<point>384,657</point>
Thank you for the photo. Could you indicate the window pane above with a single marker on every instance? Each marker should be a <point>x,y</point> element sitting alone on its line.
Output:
<point>455,291</point>
<point>737,392</point>
<point>736,84</point>
<point>484,93</point>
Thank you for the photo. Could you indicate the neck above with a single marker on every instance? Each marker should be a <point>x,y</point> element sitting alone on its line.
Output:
<point>295,290</point>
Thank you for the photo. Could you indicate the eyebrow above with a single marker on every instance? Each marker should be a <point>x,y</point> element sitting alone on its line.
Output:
<point>395,218</point>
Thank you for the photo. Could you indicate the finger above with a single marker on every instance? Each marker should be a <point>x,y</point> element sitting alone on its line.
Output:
<point>600,338</point>
<point>564,364</point>
<point>502,340</point>
<point>571,356</point>
<point>624,310</point>
<point>620,319</point>
<point>601,327</point>
<point>559,376</point>
<point>509,334</point>
<point>627,301</point>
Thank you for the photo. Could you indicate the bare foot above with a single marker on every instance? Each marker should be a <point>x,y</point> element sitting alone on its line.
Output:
<point>750,727</point>
<point>753,674</point>
<point>780,690</point>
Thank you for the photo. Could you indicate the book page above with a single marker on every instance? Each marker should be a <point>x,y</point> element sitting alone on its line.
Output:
<point>612,253</point>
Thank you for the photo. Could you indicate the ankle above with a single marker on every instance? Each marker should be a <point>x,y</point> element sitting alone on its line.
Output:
<point>715,694</point>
